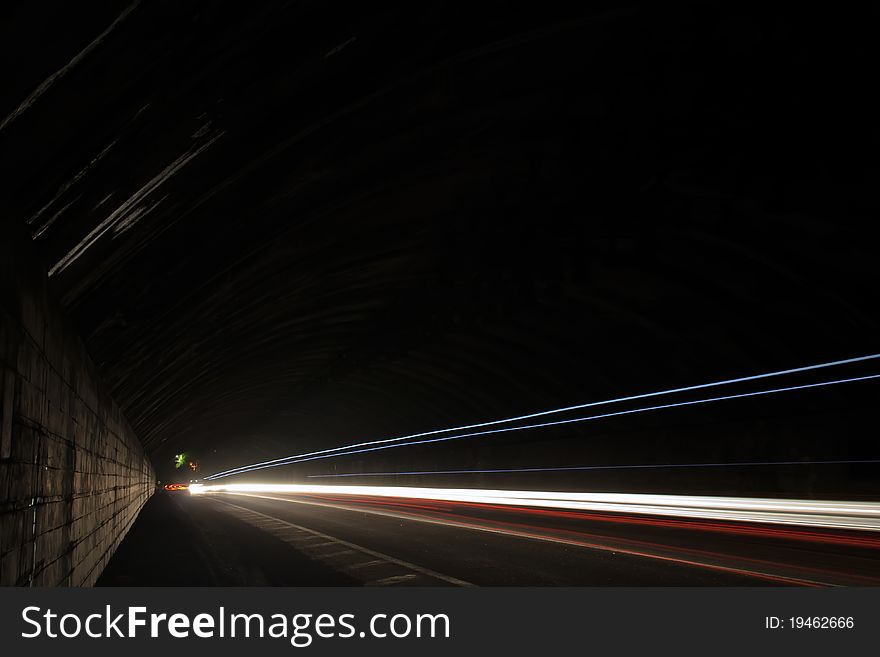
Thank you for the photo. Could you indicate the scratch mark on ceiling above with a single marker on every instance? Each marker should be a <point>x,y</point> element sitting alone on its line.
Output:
<point>64,70</point>
<point>129,207</point>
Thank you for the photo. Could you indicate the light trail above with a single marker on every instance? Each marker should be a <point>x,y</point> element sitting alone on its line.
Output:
<point>376,446</point>
<point>779,573</point>
<point>828,514</point>
<point>640,466</point>
<point>755,377</point>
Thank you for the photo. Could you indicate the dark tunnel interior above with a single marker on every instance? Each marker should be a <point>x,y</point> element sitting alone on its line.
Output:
<point>288,227</point>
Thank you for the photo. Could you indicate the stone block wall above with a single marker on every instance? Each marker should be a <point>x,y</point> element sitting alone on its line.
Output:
<point>73,475</point>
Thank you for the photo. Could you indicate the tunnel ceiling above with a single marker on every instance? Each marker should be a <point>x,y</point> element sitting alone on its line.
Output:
<point>294,224</point>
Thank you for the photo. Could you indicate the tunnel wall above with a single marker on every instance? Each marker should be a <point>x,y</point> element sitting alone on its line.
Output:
<point>73,475</point>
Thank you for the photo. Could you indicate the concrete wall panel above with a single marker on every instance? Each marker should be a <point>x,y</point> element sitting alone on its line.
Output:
<point>73,475</point>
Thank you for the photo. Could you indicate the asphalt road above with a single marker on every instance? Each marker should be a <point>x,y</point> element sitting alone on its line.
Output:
<point>275,539</point>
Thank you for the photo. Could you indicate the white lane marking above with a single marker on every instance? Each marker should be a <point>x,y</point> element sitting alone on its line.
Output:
<point>553,539</point>
<point>306,539</point>
<point>373,553</point>
<point>338,553</point>
<point>367,564</point>
<point>389,581</point>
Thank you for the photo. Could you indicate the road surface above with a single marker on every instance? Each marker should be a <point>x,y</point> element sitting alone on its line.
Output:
<point>283,539</point>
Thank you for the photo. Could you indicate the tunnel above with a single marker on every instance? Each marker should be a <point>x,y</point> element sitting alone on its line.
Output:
<point>236,234</point>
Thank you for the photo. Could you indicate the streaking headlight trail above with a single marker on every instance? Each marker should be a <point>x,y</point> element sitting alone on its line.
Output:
<point>827,514</point>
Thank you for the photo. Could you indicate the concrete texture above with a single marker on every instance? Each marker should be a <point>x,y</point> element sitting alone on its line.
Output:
<point>73,475</point>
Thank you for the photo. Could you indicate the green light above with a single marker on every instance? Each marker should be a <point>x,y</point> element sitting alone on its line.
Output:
<point>180,460</point>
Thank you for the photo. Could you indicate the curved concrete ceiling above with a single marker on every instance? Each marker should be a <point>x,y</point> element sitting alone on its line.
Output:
<point>288,226</point>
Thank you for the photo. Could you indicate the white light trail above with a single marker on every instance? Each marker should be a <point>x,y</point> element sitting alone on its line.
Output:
<point>397,442</point>
<point>811,513</point>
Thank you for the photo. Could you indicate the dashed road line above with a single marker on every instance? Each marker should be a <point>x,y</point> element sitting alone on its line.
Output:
<point>287,531</point>
<point>388,581</point>
<point>338,553</point>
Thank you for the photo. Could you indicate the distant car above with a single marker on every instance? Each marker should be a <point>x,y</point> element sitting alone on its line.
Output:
<point>176,486</point>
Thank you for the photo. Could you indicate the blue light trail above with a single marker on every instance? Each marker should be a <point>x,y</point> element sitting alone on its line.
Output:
<point>639,466</point>
<point>287,459</point>
<point>376,446</point>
